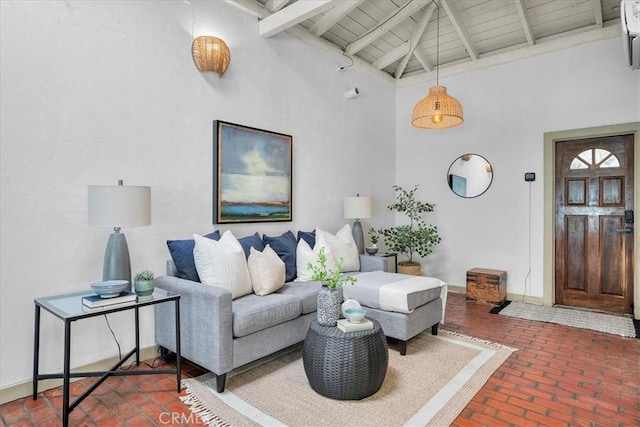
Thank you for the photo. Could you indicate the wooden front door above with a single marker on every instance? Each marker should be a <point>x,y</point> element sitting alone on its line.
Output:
<point>594,225</point>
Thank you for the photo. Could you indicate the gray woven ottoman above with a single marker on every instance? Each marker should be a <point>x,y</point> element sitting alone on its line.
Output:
<point>345,365</point>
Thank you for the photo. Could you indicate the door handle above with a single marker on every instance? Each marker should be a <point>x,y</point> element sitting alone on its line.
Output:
<point>627,230</point>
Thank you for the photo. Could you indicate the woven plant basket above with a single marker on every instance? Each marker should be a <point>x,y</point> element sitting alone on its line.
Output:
<point>414,270</point>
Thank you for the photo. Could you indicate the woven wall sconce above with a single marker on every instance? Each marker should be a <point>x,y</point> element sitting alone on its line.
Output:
<point>211,54</point>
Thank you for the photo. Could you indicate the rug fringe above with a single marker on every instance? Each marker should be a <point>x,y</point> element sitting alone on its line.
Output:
<point>468,337</point>
<point>206,415</point>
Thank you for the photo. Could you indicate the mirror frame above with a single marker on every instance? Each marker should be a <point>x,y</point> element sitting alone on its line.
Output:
<point>450,176</point>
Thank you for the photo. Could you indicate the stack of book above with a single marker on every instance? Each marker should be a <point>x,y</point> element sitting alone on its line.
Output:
<point>93,301</point>
<point>345,326</point>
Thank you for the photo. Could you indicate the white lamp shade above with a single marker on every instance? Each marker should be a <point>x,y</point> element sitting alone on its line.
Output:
<point>358,207</point>
<point>119,205</point>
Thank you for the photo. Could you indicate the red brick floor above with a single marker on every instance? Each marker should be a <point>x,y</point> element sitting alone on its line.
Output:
<point>559,376</point>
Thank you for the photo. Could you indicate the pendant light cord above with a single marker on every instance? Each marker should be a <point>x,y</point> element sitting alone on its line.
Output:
<point>438,46</point>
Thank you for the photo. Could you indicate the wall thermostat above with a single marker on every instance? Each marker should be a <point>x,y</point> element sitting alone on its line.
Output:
<point>530,176</point>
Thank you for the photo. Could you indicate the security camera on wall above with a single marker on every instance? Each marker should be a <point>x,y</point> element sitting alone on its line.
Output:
<point>352,93</point>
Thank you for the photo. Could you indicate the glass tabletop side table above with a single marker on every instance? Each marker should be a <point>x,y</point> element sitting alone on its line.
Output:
<point>69,308</point>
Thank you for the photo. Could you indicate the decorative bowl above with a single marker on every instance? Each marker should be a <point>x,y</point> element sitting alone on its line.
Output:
<point>109,288</point>
<point>355,315</point>
<point>371,250</point>
<point>350,303</point>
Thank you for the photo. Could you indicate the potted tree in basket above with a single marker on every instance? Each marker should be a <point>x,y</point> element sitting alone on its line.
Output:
<point>417,237</point>
<point>330,296</point>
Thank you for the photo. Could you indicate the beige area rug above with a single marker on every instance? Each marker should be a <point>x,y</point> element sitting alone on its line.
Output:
<point>428,387</point>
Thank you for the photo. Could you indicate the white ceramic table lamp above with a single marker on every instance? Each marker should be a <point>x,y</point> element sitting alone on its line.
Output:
<point>358,208</point>
<point>118,206</point>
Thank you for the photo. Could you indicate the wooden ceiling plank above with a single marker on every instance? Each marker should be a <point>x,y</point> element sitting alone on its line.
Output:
<point>334,15</point>
<point>415,39</point>
<point>392,56</point>
<point>462,32</point>
<point>385,25</point>
<point>526,23</point>
<point>276,5</point>
<point>597,9</point>
<point>543,46</point>
<point>292,15</point>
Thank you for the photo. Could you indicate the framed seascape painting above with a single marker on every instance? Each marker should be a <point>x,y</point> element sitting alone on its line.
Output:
<point>252,180</point>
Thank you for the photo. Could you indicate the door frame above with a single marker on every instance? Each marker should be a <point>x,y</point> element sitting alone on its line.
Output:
<point>549,260</point>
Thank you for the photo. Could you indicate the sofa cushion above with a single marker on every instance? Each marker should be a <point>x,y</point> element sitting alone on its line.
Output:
<point>222,263</point>
<point>285,247</point>
<point>306,255</point>
<point>182,255</point>
<point>266,270</point>
<point>342,246</point>
<point>253,241</point>
<point>308,236</point>
<point>253,313</point>
<point>305,292</point>
<point>401,293</point>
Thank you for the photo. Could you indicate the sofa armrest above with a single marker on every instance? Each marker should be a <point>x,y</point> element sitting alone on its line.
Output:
<point>372,263</point>
<point>205,323</point>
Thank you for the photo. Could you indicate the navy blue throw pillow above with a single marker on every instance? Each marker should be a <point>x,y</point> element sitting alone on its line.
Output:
<point>308,236</point>
<point>182,255</point>
<point>249,241</point>
<point>285,247</point>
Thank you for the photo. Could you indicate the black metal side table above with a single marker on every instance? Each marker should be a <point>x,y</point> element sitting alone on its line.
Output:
<point>345,365</point>
<point>69,308</point>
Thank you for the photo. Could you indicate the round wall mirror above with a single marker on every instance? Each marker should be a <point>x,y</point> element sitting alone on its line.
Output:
<point>470,175</point>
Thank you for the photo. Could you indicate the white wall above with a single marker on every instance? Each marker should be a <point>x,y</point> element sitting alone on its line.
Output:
<point>98,91</point>
<point>508,109</point>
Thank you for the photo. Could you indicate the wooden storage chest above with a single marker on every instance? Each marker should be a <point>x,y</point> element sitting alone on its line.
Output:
<point>487,286</point>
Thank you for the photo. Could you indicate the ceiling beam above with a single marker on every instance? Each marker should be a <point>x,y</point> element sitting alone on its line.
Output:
<point>452,13</point>
<point>423,60</point>
<point>415,39</point>
<point>334,15</point>
<point>292,15</point>
<point>256,9</point>
<point>524,20</point>
<point>276,5</point>
<point>597,8</point>
<point>392,56</point>
<point>388,23</point>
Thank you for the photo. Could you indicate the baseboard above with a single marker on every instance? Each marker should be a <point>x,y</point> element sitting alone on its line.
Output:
<point>457,289</point>
<point>525,298</point>
<point>24,389</point>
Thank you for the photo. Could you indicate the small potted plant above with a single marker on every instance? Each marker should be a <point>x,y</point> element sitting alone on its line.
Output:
<point>143,283</point>
<point>374,236</point>
<point>329,297</point>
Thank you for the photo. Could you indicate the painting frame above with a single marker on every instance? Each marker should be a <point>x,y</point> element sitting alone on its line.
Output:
<point>252,176</point>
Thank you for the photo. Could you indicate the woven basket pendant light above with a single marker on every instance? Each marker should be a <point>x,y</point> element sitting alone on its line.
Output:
<point>438,110</point>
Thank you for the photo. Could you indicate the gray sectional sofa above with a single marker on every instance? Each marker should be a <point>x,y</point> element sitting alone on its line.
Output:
<point>221,334</point>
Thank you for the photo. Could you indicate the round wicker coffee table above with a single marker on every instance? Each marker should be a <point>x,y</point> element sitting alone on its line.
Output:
<point>345,365</point>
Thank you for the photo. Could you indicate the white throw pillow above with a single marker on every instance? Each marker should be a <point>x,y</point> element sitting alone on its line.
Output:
<point>222,263</point>
<point>342,246</point>
<point>306,255</point>
<point>266,270</point>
